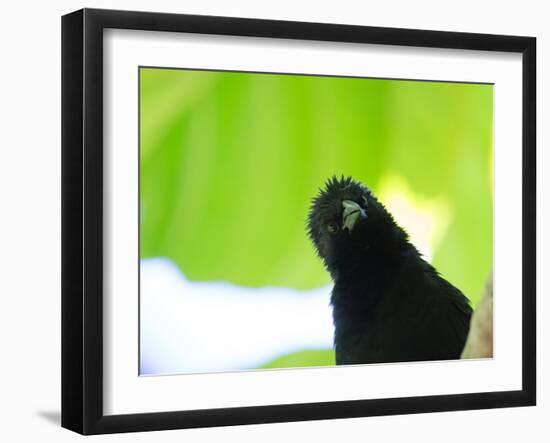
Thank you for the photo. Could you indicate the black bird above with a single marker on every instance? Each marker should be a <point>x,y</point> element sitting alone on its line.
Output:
<point>389,305</point>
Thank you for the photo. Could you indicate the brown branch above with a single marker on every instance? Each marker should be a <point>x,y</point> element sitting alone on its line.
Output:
<point>480,339</point>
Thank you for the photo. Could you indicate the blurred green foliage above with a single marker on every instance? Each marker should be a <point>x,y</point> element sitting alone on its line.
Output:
<point>300,359</point>
<point>230,162</point>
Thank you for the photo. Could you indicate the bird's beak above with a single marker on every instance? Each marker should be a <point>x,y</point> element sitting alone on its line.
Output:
<point>352,213</point>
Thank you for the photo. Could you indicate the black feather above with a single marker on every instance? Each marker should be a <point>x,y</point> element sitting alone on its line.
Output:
<point>389,304</point>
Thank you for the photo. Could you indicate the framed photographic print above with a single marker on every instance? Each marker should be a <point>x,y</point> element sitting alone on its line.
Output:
<point>269,221</point>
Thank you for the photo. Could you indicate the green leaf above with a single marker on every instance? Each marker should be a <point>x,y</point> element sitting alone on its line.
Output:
<point>310,357</point>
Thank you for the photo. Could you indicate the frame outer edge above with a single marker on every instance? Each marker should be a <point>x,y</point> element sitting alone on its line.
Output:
<point>529,301</point>
<point>72,222</point>
<point>92,197</point>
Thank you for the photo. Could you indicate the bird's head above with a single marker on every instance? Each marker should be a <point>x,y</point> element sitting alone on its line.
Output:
<point>344,220</point>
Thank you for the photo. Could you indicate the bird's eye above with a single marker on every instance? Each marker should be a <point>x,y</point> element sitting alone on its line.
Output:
<point>333,227</point>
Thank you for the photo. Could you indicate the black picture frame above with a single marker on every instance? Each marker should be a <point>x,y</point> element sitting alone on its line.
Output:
<point>82,220</point>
